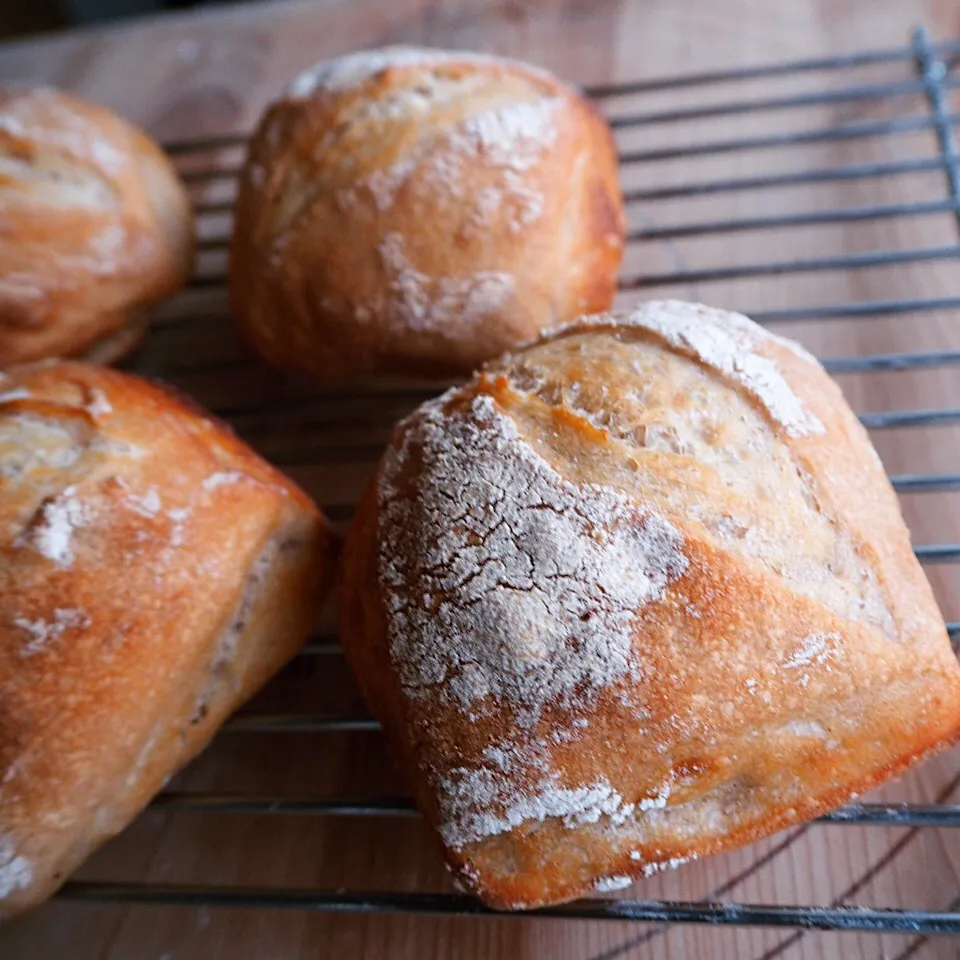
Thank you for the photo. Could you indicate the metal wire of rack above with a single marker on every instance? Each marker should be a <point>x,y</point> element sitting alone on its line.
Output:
<point>932,64</point>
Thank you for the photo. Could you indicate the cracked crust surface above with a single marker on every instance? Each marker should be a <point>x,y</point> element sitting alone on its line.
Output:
<point>639,593</point>
<point>96,227</point>
<point>388,203</point>
<point>154,573</point>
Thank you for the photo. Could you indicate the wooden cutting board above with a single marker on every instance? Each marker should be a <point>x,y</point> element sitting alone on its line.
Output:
<point>200,75</point>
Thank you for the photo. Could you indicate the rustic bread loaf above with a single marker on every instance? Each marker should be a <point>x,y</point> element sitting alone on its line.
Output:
<point>154,572</point>
<point>639,593</point>
<point>417,212</point>
<point>96,228</point>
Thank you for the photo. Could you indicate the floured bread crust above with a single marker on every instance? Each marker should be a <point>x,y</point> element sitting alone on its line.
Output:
<point>154,573</point>
<point>96,227</point>
<point>418,212</point>
<point>638,593</point>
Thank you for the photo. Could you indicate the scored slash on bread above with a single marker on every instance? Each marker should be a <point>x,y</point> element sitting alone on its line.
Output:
<point>154,573</point>
<point>638,593</point>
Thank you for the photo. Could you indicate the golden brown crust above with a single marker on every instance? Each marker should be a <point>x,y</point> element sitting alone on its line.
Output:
<point>636,594</point>
<point>97,226</point>
<point>417,212</point>
<point>154,572</point>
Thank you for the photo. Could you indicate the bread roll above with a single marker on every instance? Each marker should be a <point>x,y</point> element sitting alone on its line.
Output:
<point>417,212</point>
<point>154,572</point>
<point>96,228</point>
<point>638,594</point>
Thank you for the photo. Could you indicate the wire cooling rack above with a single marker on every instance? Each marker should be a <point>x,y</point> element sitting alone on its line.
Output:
<point>859,113</point>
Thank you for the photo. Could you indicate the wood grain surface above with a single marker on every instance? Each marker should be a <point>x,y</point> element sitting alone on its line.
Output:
<point>201,75</point>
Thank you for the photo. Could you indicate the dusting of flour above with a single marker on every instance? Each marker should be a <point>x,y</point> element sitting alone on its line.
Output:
<point>813,649</point>
<point>510,589</point>
<point>98,404</point>
<point>221,478</point>
<point>479,803</point>
<point>426,303</point>
<point>16,871</point>
<point>606,884</point>
<point>511,136</point>
<point>354,69</point>
<point>51,532</point>
<point>43,632</point>
<point>148,505</point>
<point>526,586</point>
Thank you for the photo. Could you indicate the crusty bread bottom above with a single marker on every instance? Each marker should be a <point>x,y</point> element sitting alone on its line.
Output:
<point>117,344</point>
